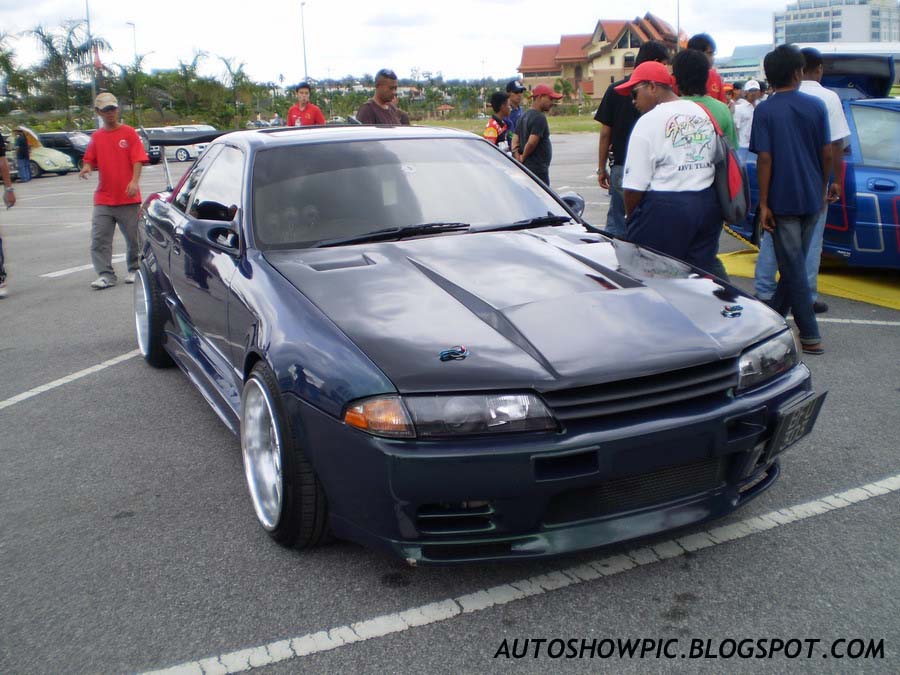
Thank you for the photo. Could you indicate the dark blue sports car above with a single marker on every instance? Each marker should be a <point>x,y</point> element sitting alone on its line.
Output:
<point>863,228</point>
<point>425,350</point>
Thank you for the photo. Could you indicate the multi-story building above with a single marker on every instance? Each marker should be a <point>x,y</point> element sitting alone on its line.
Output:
<point>838,21</point>
<point>592,61</point>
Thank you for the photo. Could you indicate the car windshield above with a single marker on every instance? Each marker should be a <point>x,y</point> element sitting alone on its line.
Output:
<point>310,193</point>
<point>79,140</point>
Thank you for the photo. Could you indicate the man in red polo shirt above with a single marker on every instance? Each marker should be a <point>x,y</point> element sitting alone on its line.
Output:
<point>303,113</point>
<point>117,152</point>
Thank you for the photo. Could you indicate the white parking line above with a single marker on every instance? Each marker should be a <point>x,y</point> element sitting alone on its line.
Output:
<point>436,612</point>
<point>81,268</point>
<point>859,322</point>
<point>31,393</point>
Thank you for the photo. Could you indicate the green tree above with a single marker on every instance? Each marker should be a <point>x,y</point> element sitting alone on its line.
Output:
<point>66,50</point>
<point>237,82</point>
<point>564,87</point>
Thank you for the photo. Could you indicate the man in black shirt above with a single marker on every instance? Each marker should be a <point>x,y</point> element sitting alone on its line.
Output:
<point>533,133</point>
<point>617,116</point>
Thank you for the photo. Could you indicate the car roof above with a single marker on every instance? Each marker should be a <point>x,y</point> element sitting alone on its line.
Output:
<point>889,103</point>
<point>257,139</point>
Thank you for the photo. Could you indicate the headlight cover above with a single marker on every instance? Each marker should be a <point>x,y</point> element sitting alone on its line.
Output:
<point>767,360</point>
<point>444,416</point>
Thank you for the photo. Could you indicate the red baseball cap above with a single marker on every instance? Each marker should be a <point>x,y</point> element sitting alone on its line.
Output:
<point>648,71</point>
<point>544,90</point>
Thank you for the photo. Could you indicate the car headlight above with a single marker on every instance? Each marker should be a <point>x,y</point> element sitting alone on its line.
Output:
<point>442,416</point>
<point>765,361</point>
<point>50,162</point>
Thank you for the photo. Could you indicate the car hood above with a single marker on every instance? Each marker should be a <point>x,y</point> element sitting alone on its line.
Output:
<point>43,154</point>
<point>547,308</point>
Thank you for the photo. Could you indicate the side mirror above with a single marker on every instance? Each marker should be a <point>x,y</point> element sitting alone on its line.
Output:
<point>574,201</point>
<point>216,234</point>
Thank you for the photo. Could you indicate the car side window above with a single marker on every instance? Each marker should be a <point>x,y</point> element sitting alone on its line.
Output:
<point>218,196</point>
<point>878,130</point>
<point>183,198</point>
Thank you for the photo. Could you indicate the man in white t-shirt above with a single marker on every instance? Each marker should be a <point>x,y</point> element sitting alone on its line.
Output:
<point>670,204</point>
<point>766,265</point>
<point>743,112</point>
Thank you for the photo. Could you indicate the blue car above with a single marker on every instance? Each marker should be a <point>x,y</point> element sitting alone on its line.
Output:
<point>425,350</point>
<point>863,228</point>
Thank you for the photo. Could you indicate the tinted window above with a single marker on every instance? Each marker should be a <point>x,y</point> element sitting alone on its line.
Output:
<point>878,130</point>
<point>219,195</point>
<point>303,194</point>
<point>183,198</point>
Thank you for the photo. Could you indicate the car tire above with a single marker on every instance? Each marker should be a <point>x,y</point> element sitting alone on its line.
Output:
<point>149,320</point>
<point>287,497</point>
<point>36,171</point>
<point>182,155</point>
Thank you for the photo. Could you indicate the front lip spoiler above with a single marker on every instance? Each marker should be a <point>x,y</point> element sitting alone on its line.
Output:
<point>666,519</point>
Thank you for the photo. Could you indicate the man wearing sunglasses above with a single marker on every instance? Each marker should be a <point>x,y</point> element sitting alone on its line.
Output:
<point>670,203</point>
<point>118,154</point>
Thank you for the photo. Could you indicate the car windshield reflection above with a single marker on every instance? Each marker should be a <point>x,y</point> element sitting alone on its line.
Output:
<point>304,195</point>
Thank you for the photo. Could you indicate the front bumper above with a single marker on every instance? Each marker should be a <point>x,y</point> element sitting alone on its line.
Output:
<point>537,495</point>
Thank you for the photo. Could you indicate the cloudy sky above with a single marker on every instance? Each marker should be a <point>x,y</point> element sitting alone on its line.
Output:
<point>473,39</point>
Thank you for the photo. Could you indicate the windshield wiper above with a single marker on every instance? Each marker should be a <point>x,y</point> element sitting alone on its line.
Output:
<point>537,221</point>
<point>395,233</point>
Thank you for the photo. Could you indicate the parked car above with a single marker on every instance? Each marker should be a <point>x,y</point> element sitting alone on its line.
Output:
<point>71,143</point>
<point>154,152</point>
<point>424,349</point>
<point>183,153</point>
<point>863,228</point>
<point>43,159</point>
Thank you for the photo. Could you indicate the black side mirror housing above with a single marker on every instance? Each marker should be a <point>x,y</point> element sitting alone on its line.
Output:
<point>574,201</point>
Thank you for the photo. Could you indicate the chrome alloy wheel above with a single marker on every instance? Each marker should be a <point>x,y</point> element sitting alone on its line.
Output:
<point>261,447</point>
<point>142,313</point>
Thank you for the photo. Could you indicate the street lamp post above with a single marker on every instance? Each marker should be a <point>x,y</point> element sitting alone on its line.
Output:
<point>303,37</point>
<point>134,114</point>
<point>133,37</point>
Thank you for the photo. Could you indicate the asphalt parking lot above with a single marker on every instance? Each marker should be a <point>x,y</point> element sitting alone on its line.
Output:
<point>128,543</point>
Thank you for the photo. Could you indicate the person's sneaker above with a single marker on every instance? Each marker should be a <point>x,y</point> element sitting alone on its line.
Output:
<point>820,307</point>
<point>129,278</point>
<point>101,283</point>
<point>3,290</point>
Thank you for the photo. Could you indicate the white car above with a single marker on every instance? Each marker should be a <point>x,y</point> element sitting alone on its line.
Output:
<point>184,153</point>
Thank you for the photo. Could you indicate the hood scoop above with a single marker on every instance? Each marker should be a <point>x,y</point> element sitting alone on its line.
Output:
<point>357,260</point>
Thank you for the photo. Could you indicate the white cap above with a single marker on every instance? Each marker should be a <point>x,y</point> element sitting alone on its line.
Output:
<point>751,85</point>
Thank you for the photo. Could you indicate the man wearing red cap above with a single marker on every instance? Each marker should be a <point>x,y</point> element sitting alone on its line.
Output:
<point>670,203</point>
<point>533,132</point>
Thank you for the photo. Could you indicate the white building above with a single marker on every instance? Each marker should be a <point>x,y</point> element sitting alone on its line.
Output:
<point>838,21</point>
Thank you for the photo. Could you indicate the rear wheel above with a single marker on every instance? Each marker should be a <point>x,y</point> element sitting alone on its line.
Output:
<point>288,499</point>
<point>182,155</point>
<point>149,319</point>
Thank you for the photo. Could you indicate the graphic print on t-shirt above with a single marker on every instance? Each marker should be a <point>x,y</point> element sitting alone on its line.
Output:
<point>692,139</point>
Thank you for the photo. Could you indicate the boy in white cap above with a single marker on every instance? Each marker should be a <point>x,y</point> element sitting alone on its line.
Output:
<point>118,154</point>
<point>743,112</point>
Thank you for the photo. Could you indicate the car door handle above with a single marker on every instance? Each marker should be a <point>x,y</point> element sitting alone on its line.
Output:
<point>882,185</point>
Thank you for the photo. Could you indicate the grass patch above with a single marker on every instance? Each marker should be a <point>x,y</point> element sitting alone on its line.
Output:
<point>559,124</point>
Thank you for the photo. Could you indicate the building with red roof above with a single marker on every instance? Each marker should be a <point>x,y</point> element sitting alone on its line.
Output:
<point>592,61</point>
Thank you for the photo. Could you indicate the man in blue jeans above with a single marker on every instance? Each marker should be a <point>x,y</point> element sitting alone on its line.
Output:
<point>766,265</point>
<point>791,138</point>
<point>617,115</point>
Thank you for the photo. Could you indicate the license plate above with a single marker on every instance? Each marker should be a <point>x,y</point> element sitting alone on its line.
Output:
<point>794,422</point>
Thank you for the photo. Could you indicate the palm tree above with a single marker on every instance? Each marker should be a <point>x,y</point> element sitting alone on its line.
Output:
<point>187,75</point>
<point>564,87</point>
<point>237,80</point>
<point>65,49</point>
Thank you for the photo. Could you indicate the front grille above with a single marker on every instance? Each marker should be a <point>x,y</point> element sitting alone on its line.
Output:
<point>459,518</point>
<point>635,492</point>
<point>710,380</point>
